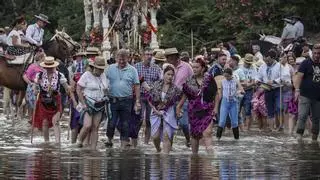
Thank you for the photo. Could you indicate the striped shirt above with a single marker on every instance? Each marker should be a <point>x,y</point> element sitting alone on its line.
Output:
<point>229,89</point>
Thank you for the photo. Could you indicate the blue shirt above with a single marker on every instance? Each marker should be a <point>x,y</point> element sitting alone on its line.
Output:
<point>122,80</point>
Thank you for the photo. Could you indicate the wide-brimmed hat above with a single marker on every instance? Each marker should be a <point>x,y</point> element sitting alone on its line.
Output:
<point>2,30</point>
<point>160,56</point>
<point>99,63</point>
<point>170,51</point>
<point>80,54</point>
<point>248,58</point>
<point>43,18</point>
<point>288,20</point>
<point>296,17</point>
<point>92,51</point>
<point>49,62</point>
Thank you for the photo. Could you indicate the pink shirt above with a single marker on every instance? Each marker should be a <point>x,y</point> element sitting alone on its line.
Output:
<point>32,70</point>
<point>182,74</point>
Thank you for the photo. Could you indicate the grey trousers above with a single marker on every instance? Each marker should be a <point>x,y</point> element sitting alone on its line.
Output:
<point>305,105</point>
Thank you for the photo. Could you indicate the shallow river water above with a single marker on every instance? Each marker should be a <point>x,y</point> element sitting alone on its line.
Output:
<point>254,156</point>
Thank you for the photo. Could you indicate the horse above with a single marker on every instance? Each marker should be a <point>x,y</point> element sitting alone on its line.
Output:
<point>295,47</point>
<point>60,46</point>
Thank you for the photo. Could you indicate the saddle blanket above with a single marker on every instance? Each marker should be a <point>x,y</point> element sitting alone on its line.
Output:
<point>20,59</point>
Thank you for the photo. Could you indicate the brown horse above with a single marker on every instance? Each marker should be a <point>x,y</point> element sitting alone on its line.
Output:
<point>61,46</point>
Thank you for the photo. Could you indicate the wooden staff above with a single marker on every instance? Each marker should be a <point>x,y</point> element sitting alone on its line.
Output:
<point>33,117</point>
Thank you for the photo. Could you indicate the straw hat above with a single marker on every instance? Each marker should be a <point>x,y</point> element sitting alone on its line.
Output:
<point>49,62</point>
<point>170,51</point>
<point>92,51</point>
<point>248,58</point>
<point>99,63</point>
<point>80,54</point>
<point>160,56</point>
<point>43,18</point>
<point>2,30</point>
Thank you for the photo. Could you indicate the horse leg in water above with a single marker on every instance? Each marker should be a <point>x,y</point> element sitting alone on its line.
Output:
<point>6,102</point>
<point>20,104</point>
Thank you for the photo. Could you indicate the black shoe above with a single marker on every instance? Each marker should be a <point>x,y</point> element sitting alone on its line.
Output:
<point>219,132</point>
<point>236,132</point>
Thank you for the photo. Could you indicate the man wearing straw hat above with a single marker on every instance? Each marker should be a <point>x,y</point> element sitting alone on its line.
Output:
<point>159,58</point>
<point>35,32</point>
<point>183,72</point>
<point>250,74</point>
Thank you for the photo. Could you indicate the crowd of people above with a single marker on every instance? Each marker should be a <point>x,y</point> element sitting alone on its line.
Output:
<point>169,90</point>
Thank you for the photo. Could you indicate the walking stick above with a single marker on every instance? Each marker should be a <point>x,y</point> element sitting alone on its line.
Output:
<point>33,117</point>
<point>280,118</point>
<point>69,125</point>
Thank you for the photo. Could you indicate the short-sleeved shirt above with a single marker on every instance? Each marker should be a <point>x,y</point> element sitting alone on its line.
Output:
<point>310,85</point>
<point>16,33</point>
<point>239,75</point>
<point>94,87</point>
<point>249,73</point>
<point>182,73</point>
<point>150,73</point>
<point>32,71</point>
<point>122,80</point>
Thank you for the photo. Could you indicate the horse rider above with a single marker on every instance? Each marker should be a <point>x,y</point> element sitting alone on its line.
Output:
<point>298,24</point>
<point>35,32</point>
<point>289,33</point>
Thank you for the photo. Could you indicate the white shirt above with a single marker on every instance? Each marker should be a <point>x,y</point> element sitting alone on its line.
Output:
<point>34,34</point>
<point>286,73</point>
<point>259,56</point>
<point>289,32</point>
<point>249,73</point>
<point>3,39</point>
<point>300,28</point>
<point>16,33</point>
<point>94,87</point>
<point>274,74</point>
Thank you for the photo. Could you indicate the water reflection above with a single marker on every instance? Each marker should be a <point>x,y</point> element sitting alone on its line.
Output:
<point>244,160</point>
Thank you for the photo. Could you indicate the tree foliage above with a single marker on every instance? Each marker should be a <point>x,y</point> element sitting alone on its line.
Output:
<point>240,20</point>
<point>66,14</point>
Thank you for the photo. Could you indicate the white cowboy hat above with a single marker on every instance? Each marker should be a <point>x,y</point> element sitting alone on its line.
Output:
<point>49,62</point>
<point>99,63</point>
<point>170,51</point>
<point>160,56</point>
<point>43,18</point>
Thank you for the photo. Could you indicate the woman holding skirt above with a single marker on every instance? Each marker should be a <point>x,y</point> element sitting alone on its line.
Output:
<point>162,97</point>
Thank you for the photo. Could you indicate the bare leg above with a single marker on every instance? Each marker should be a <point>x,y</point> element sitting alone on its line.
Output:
<point>194,145</point>
<point>248,122</point>
<point>45,130</point>
<point>166,143</point>
<point>292,123</point>
<point>74,135</point>
<point>156,140</point>
<point>56,127</point>
<point>96,119</point>
<point>207,135</point>
<point>87,123</point>
<point>134,142</point>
